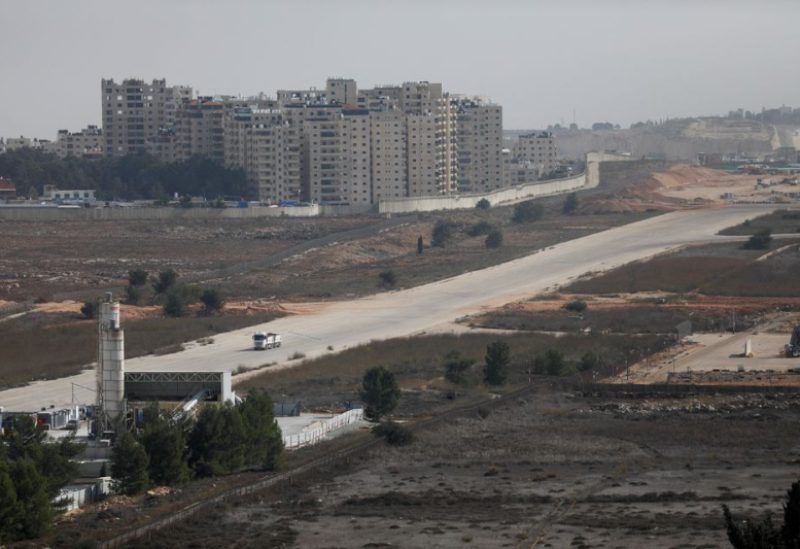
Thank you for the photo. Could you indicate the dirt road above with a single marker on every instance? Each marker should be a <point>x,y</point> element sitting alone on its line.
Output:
<point>402,313</point>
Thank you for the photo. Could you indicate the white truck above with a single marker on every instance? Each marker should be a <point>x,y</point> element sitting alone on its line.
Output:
<point>266,340</point>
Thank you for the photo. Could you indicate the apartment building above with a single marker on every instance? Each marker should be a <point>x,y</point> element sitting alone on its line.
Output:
<point>257,140</point>
<point>389,154</point>
<point>538,149</point>
<point>199,129</point>
<point>135,111</point>
<point>480,145</point>
<point>88,142</point>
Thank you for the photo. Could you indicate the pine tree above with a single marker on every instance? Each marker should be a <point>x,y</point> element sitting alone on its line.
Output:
<point>165,445</point>
<point>497,360</point>
<point>264,440</point>
<point>380,393</point>
<point>129,465</point>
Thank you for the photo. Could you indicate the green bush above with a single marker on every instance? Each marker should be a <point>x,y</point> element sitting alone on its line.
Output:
<point>576,306</point>
<point>394,433</point>
<point>480,228</point>
<point>442,233</point>
<point>570,204</point>
<point>137,277</point>
<point>494,239</point>
<point>212,300</point>
<point>387,279</point>
<point>527,212</point>
<point>89,310</point>
<point>165,281</point>
<point>483,204</point>
<point>456,367</point>
<point>759,241</point>
<point>133,295</point>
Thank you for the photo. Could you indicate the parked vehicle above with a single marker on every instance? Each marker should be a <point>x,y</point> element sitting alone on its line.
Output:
<point>266,340</point>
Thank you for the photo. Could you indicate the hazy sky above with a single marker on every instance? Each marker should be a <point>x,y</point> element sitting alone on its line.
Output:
<point>614,60</point>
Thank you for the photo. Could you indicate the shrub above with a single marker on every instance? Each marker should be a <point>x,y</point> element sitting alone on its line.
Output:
<point>590,361</point>
<point>480,228</point>
<point>213,301</point>
<point>551,363</point>
<point>387,279</point>
<point>759,241</point>
<point>165,281</point>
<point>175,306</point>
<point>133,295</point>
<point>394,433</point>
<point>456,367</point>
<point>483,204</point>
<point>137,277</point>
<point>89,310</point>
<point>494,239</point>
<point>527,212</point>
<point>379,392</point>
<point>570,204</point>
<point>442,233</point>
<point>576,306</point>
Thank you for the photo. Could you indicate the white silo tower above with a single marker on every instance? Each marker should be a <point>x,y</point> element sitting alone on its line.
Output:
<point>110,363</point>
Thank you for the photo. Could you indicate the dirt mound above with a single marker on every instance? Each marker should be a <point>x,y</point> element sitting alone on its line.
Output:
<point>682,175</point>
<point>649,195</point>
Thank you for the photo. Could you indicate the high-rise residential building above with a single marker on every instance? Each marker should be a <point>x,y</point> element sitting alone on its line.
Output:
<point>256,140</point>
<point>88,142</point>
<point>389,154</point>
<point>539,150</point>
<point>480,145</point>
<point>335,145</point>
<point>135,112</point>
<point>356,155</point>
<point>199,129</point>
<point>341,90</point>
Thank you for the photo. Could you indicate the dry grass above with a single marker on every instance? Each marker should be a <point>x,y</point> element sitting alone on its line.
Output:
<point>418,365</point>
<point>723,269</point>
<point>780,222</point>
<point>631,320</point>
<point>51,346</point>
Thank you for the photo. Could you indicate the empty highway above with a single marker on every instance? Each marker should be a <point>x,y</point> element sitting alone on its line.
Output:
<point>407,312</point>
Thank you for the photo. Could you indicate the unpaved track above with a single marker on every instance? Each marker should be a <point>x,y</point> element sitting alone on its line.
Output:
<point>407,312</point>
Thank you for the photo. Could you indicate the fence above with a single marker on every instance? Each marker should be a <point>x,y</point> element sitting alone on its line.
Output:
<point>312,436</point>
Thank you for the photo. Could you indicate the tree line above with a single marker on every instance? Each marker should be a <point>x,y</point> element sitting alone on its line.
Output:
<point>131,177</point>
<point>221,440</point>
<point>32,474</point>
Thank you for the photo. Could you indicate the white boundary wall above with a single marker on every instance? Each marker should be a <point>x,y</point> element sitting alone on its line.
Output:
<point>312,436</point>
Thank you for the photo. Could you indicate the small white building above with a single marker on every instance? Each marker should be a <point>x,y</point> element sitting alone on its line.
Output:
<point>54,194</point>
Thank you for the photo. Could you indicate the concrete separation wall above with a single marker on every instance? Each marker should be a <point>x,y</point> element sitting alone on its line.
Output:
<point>587,180</point>
<point>31,213</point>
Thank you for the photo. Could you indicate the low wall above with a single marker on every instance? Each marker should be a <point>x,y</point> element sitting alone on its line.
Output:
<point>31,213</point>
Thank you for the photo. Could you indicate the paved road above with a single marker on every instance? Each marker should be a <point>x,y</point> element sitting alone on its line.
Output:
<point>407,312</point>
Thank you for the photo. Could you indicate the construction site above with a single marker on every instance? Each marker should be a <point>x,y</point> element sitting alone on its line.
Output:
<point>675,390</point>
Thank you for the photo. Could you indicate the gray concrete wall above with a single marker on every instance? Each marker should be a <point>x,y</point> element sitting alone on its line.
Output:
<point>25,213</point>
<point>587,180</point>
